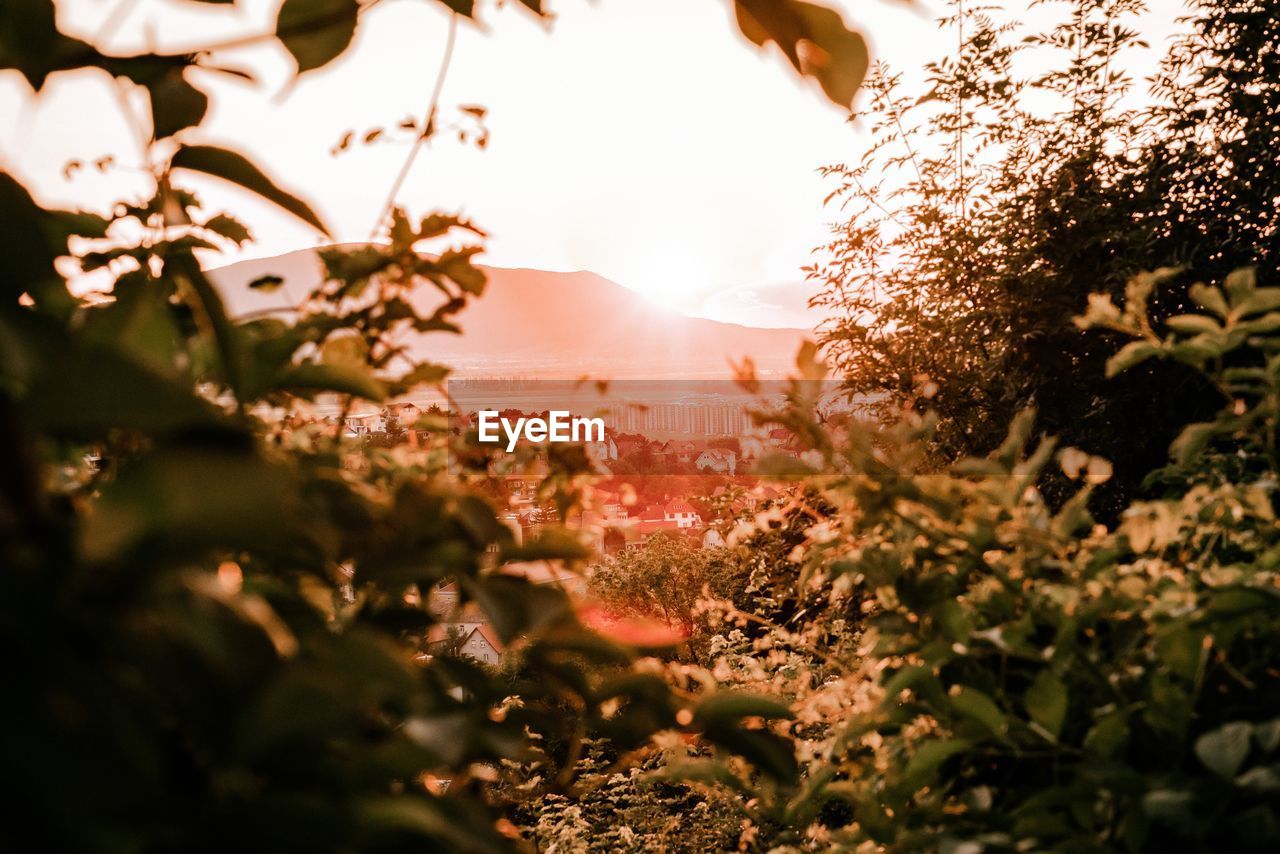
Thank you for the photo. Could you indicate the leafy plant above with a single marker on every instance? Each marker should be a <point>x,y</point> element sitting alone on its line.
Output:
<point>215,599</point>
<point>1026,679</point>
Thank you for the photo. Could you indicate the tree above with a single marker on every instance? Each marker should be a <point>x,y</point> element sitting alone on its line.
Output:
<point>661,579</point>
<point>980,221</point>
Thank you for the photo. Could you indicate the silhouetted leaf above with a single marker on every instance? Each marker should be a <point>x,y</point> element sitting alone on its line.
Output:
<point>233,167</point>
<point>815,40</point>
<point>176,104</point>
<point>316,32</point>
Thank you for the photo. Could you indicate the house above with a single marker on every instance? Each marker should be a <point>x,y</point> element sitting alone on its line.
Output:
<point>473,640</point>
<point>712,539</point>
<point>406,413</point>
<point>604,450</point>
<point>628,445</point>
<point>682,514</point>
<point>678,451</point>
<point>720,460</point>
<point>363,424</point>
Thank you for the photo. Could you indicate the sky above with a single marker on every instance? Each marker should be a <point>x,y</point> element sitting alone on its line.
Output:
<point>644,140</point>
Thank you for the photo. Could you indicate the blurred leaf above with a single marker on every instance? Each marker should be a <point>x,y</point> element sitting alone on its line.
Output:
<point>1046,702</point>
<point>316,32</point>
<point>550,544</point>
<point>815,40</point>
<point>311,378</point>
<point>732,706</point>
<point>175,104</point>
<point>928,757</point>
<point>977,706</point>
<point>193,497</point>
<point>1223,750</point>
<point>266,283</point>
<point>1209,298</point>
<point>233,167</point>
<point>1193,324</point>
<point>230,228</point>
<point>1130,355</point>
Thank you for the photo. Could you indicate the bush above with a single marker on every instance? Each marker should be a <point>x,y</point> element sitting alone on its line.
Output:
<point>1029,680</point>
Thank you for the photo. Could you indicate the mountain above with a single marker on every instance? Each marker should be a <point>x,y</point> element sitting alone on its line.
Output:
<point>535,323</point>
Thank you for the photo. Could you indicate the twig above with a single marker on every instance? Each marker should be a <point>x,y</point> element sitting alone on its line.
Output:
<point>428,128</point>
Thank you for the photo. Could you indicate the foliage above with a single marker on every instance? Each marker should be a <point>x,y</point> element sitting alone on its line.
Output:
<point>1026,679</point>
<point>663,579</point>
<point>1025,177</point>
<point>213,611</point>
<point>629,806</point>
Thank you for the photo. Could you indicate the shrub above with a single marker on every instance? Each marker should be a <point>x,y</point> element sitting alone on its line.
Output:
<point>1029,680</point>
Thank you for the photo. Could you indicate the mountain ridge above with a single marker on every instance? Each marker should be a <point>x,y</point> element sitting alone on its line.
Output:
<point>547,324</point>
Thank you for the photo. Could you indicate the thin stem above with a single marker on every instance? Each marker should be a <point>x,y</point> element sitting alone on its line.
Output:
<point>428,128</point>
<point>117,17</point>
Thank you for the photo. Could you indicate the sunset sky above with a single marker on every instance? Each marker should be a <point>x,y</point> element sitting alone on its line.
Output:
<point>644,140</point>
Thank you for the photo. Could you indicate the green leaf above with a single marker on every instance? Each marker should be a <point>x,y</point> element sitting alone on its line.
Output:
<point>458,267</point>
<point>1193,324</point>
<point>768,751</point>
<point>188,498</point>
<point>977,706</point>
<point>424,373</point>
<point>1267,735</point>
<point>1261,300</point>
<point>1046,702</point>
<point>1260,779</point>
<point>928,758</point>
<point>1269,322</point>
<point>235,168</point>
<point>724,706</point>
<point>1170,807</point>
<point>1209,298</point>
<point>316,32</point>
<point>1224,749</point>
<point>1131,354</point>
<point>517,607</point>
<point>551,544</point>
<point>203,299</point>
<point>913,677</point>
<point>28,248</point>
<point>139,324</point>
<point>312,378</point>
<point>1191,441</point>
<point>1011,449</point>
<point>1108,735</point>
<point>1240,285</point>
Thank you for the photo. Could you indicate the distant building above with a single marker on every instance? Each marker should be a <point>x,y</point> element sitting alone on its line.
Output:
<point>364,424</point>
<point>720,460</point>
<point>604,450</point>
<point>406,413</point>
<point>474,640</point>
<point>682,514</point>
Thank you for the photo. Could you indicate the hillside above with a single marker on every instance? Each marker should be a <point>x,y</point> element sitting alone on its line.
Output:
<point>534,322</point>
